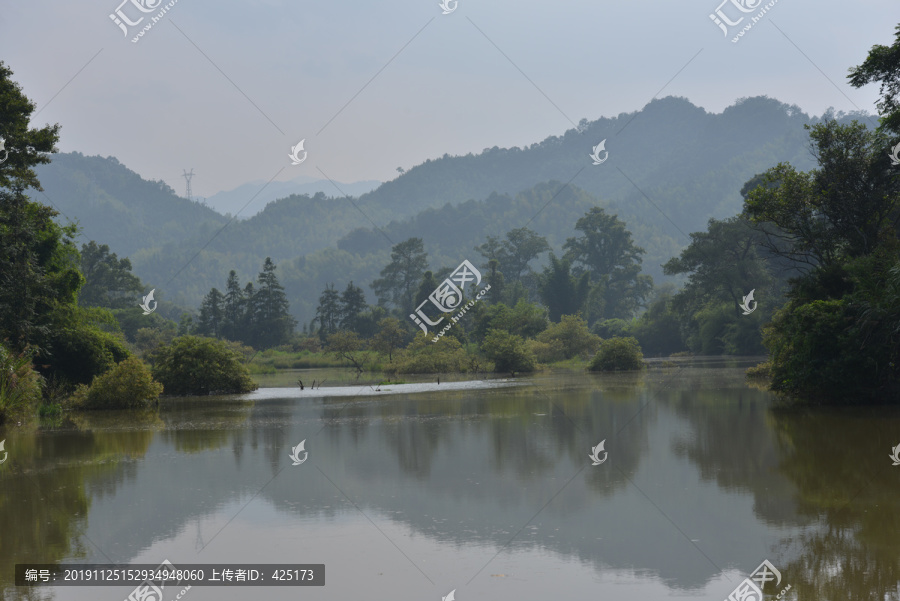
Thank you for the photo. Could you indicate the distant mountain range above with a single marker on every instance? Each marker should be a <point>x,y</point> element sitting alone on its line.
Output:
<point>672,166</point>
<point>232,201</point>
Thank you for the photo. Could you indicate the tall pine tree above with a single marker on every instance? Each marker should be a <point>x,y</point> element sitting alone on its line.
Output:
<point>248,316</point>
<point>328,313</point>
<point>273,324</point>
<point>397,284</point>
<point>211,313</point>
<point>353,302</point>
<point>233,308</point>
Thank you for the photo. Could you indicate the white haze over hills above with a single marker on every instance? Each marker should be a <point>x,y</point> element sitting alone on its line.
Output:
<point>232,201</point>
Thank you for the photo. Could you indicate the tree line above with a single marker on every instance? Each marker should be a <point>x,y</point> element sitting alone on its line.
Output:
<point>256,316</point>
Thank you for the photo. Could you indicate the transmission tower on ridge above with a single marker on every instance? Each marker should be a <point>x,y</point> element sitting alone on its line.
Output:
<point>187,178</point>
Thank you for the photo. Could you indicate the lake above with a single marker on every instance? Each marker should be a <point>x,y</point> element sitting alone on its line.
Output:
<point>483,488</point>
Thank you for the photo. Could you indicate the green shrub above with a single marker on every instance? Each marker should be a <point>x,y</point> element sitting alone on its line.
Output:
<point>79,350</point>
<point>659,333</point>
<point>722,331</point>
<point>197,365</point>
<point>611,328</point>
<point>572,336</point>
<point>148,340</point>
<point>744,336</point>
<point>713,319</point>
<point>815,354</point>
<point>618,354</point>
<point>422,356</point>
<point>508,352</point>
<point>763,370</point>
<point>524,319</point>
<point>20,385</point>
<point>246,353</point>
<point>547,352</point>
<point>128,385</point>
<point>50,410</point>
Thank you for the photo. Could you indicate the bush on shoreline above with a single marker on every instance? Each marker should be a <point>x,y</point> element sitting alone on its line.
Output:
<point>568,339</point>
<point>508,352</point>
<point>194,365</point>
<point>128,385</point>
<point>422,356</point>
<point>618,354</point>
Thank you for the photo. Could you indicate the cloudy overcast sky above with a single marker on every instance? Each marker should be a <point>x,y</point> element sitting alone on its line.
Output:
<point>227,87</point>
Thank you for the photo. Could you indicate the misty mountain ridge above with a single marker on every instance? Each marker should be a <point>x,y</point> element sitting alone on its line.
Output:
<point>232,201</point>
<point>671,167</point>
<point>114,205</point>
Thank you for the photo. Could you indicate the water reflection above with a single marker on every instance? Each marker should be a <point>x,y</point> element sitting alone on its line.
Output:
<point>838,460</point>
<point>703,479</point>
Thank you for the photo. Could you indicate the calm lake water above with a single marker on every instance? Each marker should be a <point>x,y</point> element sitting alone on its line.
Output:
<point>483,488</point>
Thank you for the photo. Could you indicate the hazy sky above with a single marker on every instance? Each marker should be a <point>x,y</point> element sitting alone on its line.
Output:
<point>228,87</point>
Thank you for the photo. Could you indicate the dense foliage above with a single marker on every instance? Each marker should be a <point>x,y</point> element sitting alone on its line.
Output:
<point>40,277</point>
<point>568,339</point>
<point>837,340</point>
<point>20,385</point>
<point>425,357</point>
<point>618,354</point>
<point>128,385</point>
<point>258,317</point>
<point>452,203</point>
<point>508,352</point>
<point>194,365</point>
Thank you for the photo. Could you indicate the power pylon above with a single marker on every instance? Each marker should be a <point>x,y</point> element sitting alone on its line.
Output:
<point>187,178</point>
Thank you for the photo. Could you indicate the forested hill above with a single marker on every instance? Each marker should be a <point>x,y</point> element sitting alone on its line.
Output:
<point>116,206</point>
<point>690,162</point>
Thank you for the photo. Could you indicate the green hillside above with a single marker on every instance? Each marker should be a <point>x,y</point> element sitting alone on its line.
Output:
<point>671,167</point>
<point>116,206</point>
